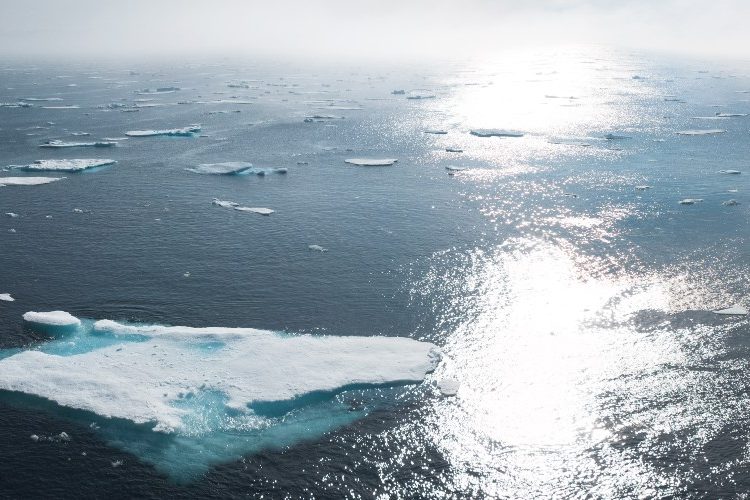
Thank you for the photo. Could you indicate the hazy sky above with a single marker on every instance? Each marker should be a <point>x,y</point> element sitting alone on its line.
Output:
<point>351,28</point>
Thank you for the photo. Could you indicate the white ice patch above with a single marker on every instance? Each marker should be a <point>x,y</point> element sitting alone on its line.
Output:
<point>495,132</point>
<point>179,132</point>
<point>238,207</point>
<point>27,181</point>
<point>51,318</point>
<point>63,144</point>
<point>690,201</point>
<point>76,165</point>
<point>6,297</point>
<point>317,248</point>
<point>710,131</point>
<point>734,310</point>
<point>371,162</point>
<point>730,172</point>
<point>144,381</point>
<point>225,168</point>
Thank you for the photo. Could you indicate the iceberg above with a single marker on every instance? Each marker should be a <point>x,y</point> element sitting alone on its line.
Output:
<point>371,162</point>
<point>238,207</point>
<point>225,168</point>
<point>27,181</point>
<point>495,132</point>
<point>184,398</point>
<point>76,165</point>
<point>63,144</point>
<point>710,131</point>
<point>188,131</point>
<point>6,297</point>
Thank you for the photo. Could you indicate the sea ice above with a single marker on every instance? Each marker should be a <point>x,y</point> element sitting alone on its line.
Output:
<point>236,206</point>
<point>27,181</point>
<point>6,297</point>
<point>225,168</point>
<point>76,165</point>
<point>371,162</point>
<point>710,131</point>
<point>495,132</point>
<point>51,318</point>
<point>448,386</point>
<point>734,310</point>
<point>730,203</point>
<point>731,172</point>
<point>180,132</point>
<point>690,201</point>
<point>642,188</point>
<point>63,144</point>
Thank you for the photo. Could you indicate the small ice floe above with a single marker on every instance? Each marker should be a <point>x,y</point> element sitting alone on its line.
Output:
<point>453,169</point>
<point>6,297</point>
<point>420,94</point>
<point>731,115</point>
<point>11,214</point>
<point>642,188</point>
<point>72,106</point>
<point>236,206</point>
<point>15,105</point>
<point>736,309</point>
<point>616,137</point>
<point>730,203</point>
<point>51,318</point>
<point>186,275</point>
<point>448,386</point>
<point>454,150</point>
<point>76,165</point>
<point>673,99</point>
<point>730,172</point>
<point>117,463</point>
<point>77,211</point>
<point>690,201</point>
<point>41,99</point>
<point>225,168</point>
<point>319,117</point>
<point>398,92</point>
<point>188,131</point>
<point>34,438</point>
<point>114,139</point>
<point>436,132</point>
<point>371,162</point>
<point>708,131</point>
<point>80,134</point>
<point>63,144</point>
<point>158,90</point>
<point>27,181</point>
<point>571,195</point>
<point>317,248</point>
<point>11,230</point>
<point>495,132</point>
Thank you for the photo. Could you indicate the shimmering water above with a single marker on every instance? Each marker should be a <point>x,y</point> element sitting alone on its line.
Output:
<point>573,308</point>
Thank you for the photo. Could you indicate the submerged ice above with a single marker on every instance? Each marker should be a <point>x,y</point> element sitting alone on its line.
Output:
<point>194,397</point>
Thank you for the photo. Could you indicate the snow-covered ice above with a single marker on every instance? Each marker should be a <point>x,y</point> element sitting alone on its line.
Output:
<point>371,162</point>
<point>27,181</point>
<point>317,248</point>
<point>6,297</point>
<point>75,165</point>
<point>224,168</point>
<point>51,318</point>
<point>238,207</point>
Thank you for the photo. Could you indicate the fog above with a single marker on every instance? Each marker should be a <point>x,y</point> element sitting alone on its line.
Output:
<point>383,29</point>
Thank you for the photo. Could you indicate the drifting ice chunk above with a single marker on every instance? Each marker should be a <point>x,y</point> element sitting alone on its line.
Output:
<point>495,132</point>
<point>731,172</point>
<point>51,318</point>
<point>134,380</point>
<point>236,206</point>
<point>690,201</point>
<point>63,144</point>
<point>371,162</point>
<point>731,115</point>
<point>225,168</point>
<point>11,214</point>
<point>730,203</point>
<point>66,165</point>
<point>710,131</point>
<point>642,188</point>
<point>735,309</point>
<point>27,181</point>
<point>448,386</point>
<point>179,132</point>
<point>41,99</point>
<point>317,248</point>
<point>6,297</point>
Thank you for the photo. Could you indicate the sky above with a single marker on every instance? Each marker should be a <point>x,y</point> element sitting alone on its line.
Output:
<point>362,29</point>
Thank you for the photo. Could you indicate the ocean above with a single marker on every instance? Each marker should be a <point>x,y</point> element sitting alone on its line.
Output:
<point>566,257</point>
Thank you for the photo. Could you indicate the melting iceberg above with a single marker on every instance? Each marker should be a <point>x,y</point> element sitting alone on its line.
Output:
<point>371,162</point>
<point>27,181</point>
<point>76,165</point>
<point>63,144</point>
<point>185,398</point>
<point>188,131</point>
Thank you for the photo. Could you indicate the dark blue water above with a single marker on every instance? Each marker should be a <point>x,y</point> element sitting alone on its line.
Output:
<point>573,309</point>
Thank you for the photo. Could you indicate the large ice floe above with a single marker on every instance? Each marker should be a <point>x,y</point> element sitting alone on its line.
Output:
<point>184,398</point>
<point>75,165</point>
<point>27,181</point>
<point>188,131</point>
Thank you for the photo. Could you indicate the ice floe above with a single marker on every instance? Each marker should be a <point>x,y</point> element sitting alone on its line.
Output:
<point>317,248</point>
<point>710,131</point>
<point>63,144</point>
<point>51,318</point>
<point>27,181</point>
<point>371,162</point>
<point>730,203</point>
<point>180,132</point>
<point>159,90</point>
<point>730,172</point>
<point>225,168</point>
<point>448,386</point>
<point>495,132</point>
<point>642,187</point>
<point>690,201</point>
<point>420,94</point>
<point>734,310</point>
<point>255,370</point>
<point>436,131</point>
<point>76,165</point>
<point>454,150</point>
<point>6,297</point>
<point>238,207</point>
